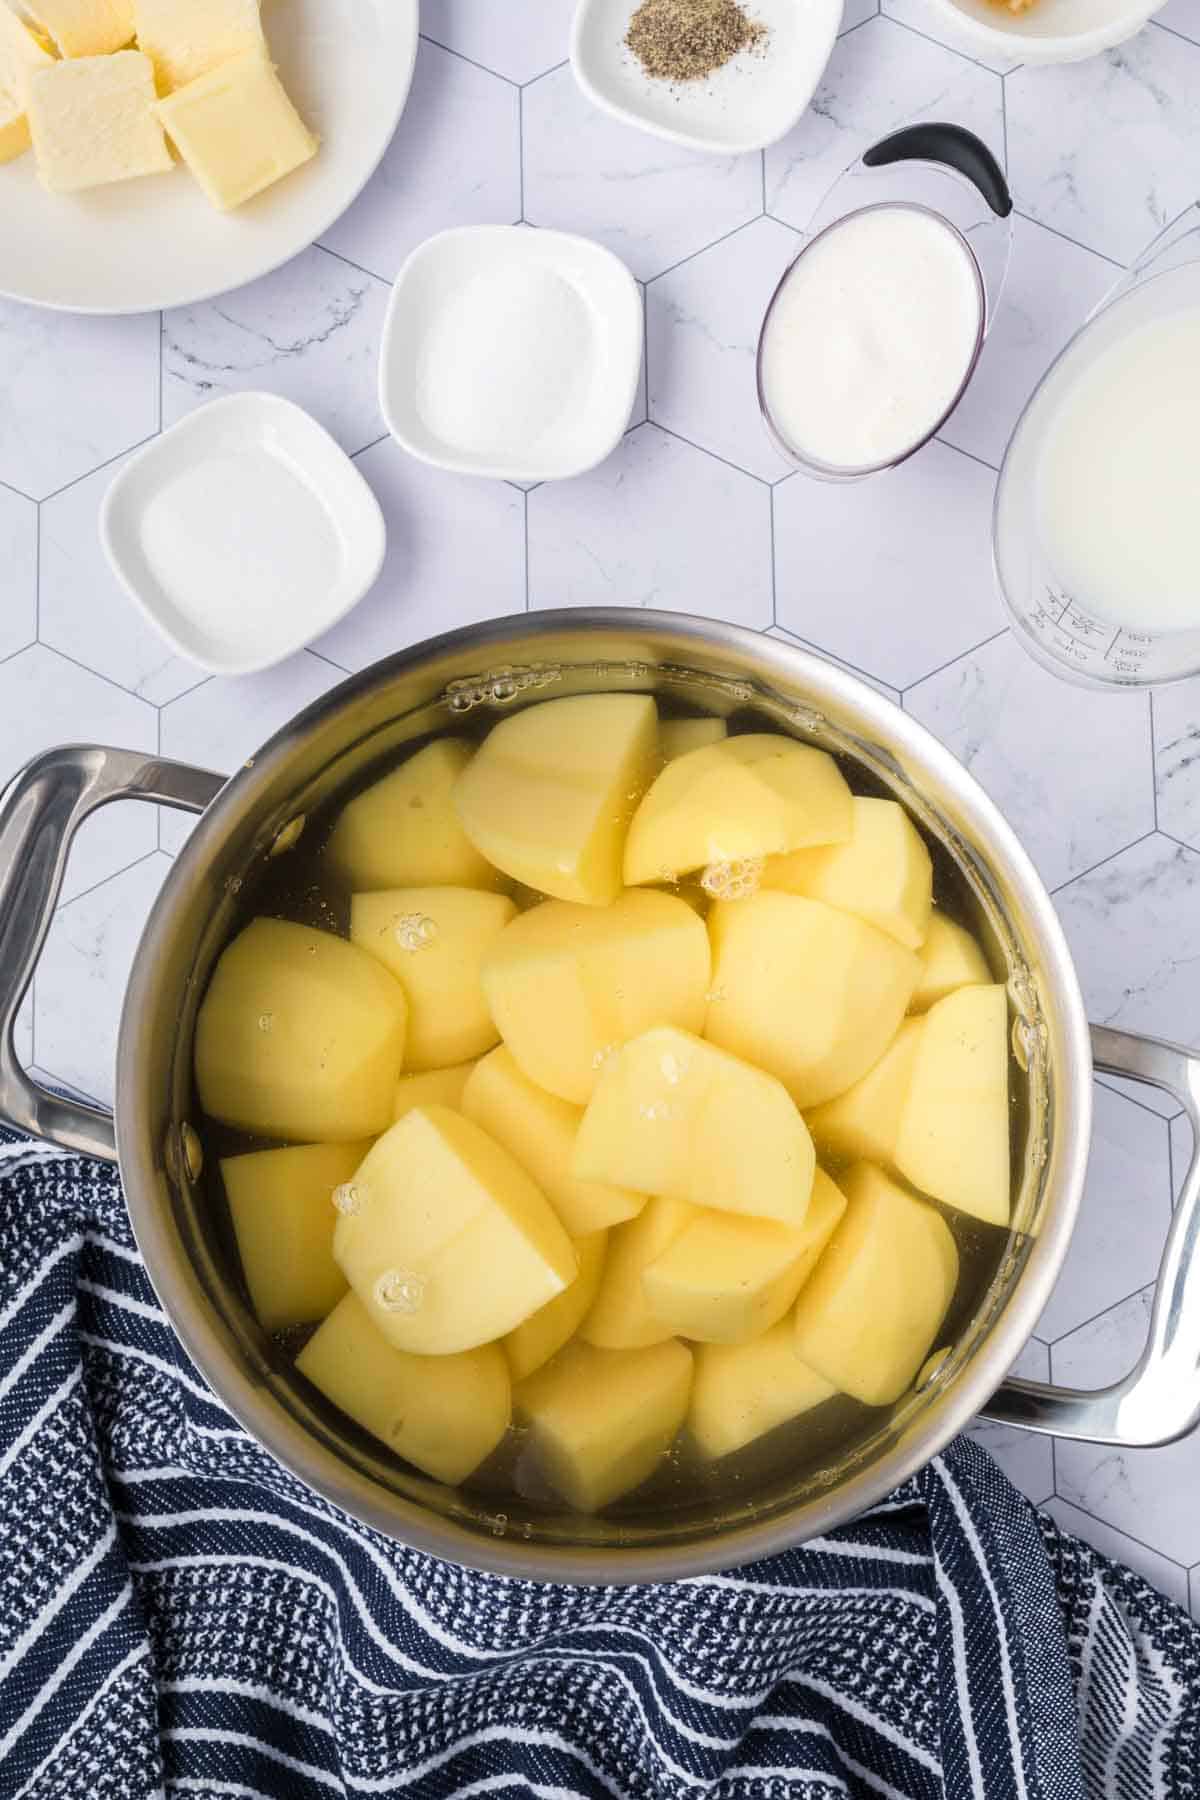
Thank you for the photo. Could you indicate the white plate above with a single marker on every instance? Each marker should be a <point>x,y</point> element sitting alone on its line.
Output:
<point>437,273</point>
<point>1050,31</point>
<point>753,101</point>
<point>135,246</point>
<point>285,534</point>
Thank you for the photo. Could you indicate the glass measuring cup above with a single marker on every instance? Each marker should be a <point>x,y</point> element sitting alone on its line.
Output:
<point>1061,626</point>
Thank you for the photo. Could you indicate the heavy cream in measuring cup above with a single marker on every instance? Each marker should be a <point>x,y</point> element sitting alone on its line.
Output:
<point>871,337</point>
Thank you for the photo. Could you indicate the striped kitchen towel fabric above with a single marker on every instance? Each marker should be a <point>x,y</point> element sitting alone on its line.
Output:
<point>179,1616</point>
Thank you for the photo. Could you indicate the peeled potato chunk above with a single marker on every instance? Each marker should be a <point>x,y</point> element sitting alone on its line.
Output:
<point>434,941</point>
<point>742,1391</point>
<point>863,1123</point>
<point>804,990</point>
<point>601,1421</point>
<point>620,1317</point>
<point>443,1414</point>
<point>725,1279</point>
<point>281,1204</point>
<point>882,873</point>
<point>677,736</point>
<point>868,1314</point>
<point>747,796</point>
<point>550,793</point>
<point>300,1035</point>
<point>543,1334</point>
<point>954,1130</point>
<point>950,958</point>
<point>448,1243</point>
<point>674,1115</point>
<point>404,830</point>
<point>539,1129</point>
<point>569,984</point>
<point>433,1087</point>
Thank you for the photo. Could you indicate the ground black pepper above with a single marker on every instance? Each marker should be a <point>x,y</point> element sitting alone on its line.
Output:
<point>685,40</point>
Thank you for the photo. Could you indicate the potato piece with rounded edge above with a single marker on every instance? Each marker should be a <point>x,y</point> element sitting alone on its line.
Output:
<point>300,1035</point>
<point>544,1333</point>
<point>862,1124</point>
<point>601,1421</point>
<point>281,1204</point>
<point>404,830</point>
<point>674,1115</point>
<point>756,795</point>
<point>550,793</point>
<point>539,1129</point>
<point>810,993</point>
<point>449,1243</point>
<point>882,873</point>
<point>725,1280</point>
<point>742,1391</point>
<point>677,736</point>
<point>569,984</point>
<point>433,1087</point>
<point>871,1309</point>
<point>434,941</point>
<point>443,1414</point>
<point>950,959</point>
<point>620,1317</point>
<point>953,1139</point>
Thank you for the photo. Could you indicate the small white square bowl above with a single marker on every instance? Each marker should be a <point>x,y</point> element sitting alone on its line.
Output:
<point>243,532</point>
<point>753,101</point>
<point>439,271</point>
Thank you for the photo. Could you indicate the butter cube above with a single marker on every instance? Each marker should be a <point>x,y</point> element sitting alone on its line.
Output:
<point>83,27</point>
<point>187,38</point>
<point>14,129</point>
<point>20,55</point>
<point>236,129</point>
<point>92,121</point>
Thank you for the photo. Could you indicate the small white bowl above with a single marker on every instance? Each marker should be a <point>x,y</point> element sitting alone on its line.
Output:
<point>438,316</point>
<point>243,533</point>
<point>752,102</point>
<point>1050,31</point>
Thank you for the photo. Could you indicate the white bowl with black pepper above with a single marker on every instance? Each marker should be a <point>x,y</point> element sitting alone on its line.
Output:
<point>707,74</point>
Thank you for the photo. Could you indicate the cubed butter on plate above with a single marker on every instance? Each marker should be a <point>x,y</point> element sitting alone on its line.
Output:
<point>84,27</point>
<point>236,129</point>
<point>20,55</point>
<point>92,121</point>
<point>14,129</point>
<point>187,38</point>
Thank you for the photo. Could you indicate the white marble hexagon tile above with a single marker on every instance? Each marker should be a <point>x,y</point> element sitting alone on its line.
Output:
<point>695,510</point>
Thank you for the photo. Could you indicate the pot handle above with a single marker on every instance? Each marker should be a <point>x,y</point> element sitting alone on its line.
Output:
<point>40,811</point>
<point>1159,1399</point>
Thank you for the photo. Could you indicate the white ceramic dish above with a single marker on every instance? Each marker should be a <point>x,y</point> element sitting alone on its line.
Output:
<point>437,274</point>
<point>754,100</point>
<point>243,532</point>
<point>1050,31</point>
<point>136,246</point>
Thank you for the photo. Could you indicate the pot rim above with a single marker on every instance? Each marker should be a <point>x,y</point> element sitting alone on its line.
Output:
<point>814,681</point>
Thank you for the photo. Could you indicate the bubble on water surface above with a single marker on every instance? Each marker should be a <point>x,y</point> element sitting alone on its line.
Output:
<point>414,931</point>
<point>265,1021</point>
<point>399,1291</point>
<point>734,880</point>
<point>673,1071</point>
<point>348,1198</point>
<point>602,1055</point>
<point>655,1109</point>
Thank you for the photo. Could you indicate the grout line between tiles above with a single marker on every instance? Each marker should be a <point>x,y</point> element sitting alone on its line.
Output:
<point>351,264</point>
<point>962,55</point>
<point>126,450</point>
<point>1132,1100</point>
<point>1153,758</point>
<point>521,149</point>
<point>1121,1532</point>
<point>950,661</point>
<point>1077,243</point>
<point>461,55</point>
<point>703,450</point>
<point>1082,874</point>
<point>525,498</point>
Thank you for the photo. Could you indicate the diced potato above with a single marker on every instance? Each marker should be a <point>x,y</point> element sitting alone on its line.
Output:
<point>620,1317</point>
<point>870,1311</point>
<point>807,991</point>
<point>443,1414</point>
<point>950,958</point>
<point>83,27</point>
<point>539,1129</point>
<point>862,1124</point>
<point>544,1333</point>
<point>281,1204</point>
<point>434,941</point>
<point>450,1244</point>
<point>756,795</point>
<point>434,1087</point>
<point>300,1035</point>
<point>953,1140</point>
<point>677,736</point>
<point>602,1420</point>
<point>725,1280</point>
<point>551,791</point>
<point>567,985</point>
<point>742,1391</point>
<point>882,872</point>
<point>674,1115</point>
<point>404,830</point>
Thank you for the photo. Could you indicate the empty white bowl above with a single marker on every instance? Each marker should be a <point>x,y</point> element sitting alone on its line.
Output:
<point>243,533</point>
<point>753,101</point>
<point>1050,31</point>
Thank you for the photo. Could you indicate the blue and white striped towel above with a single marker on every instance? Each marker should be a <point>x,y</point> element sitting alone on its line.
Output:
<point>179,1616</point>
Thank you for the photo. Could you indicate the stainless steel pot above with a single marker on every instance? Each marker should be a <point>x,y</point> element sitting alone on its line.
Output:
<point>260,812</point>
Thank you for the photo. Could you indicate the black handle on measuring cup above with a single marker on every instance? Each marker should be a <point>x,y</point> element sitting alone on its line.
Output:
<point>953,145</point>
